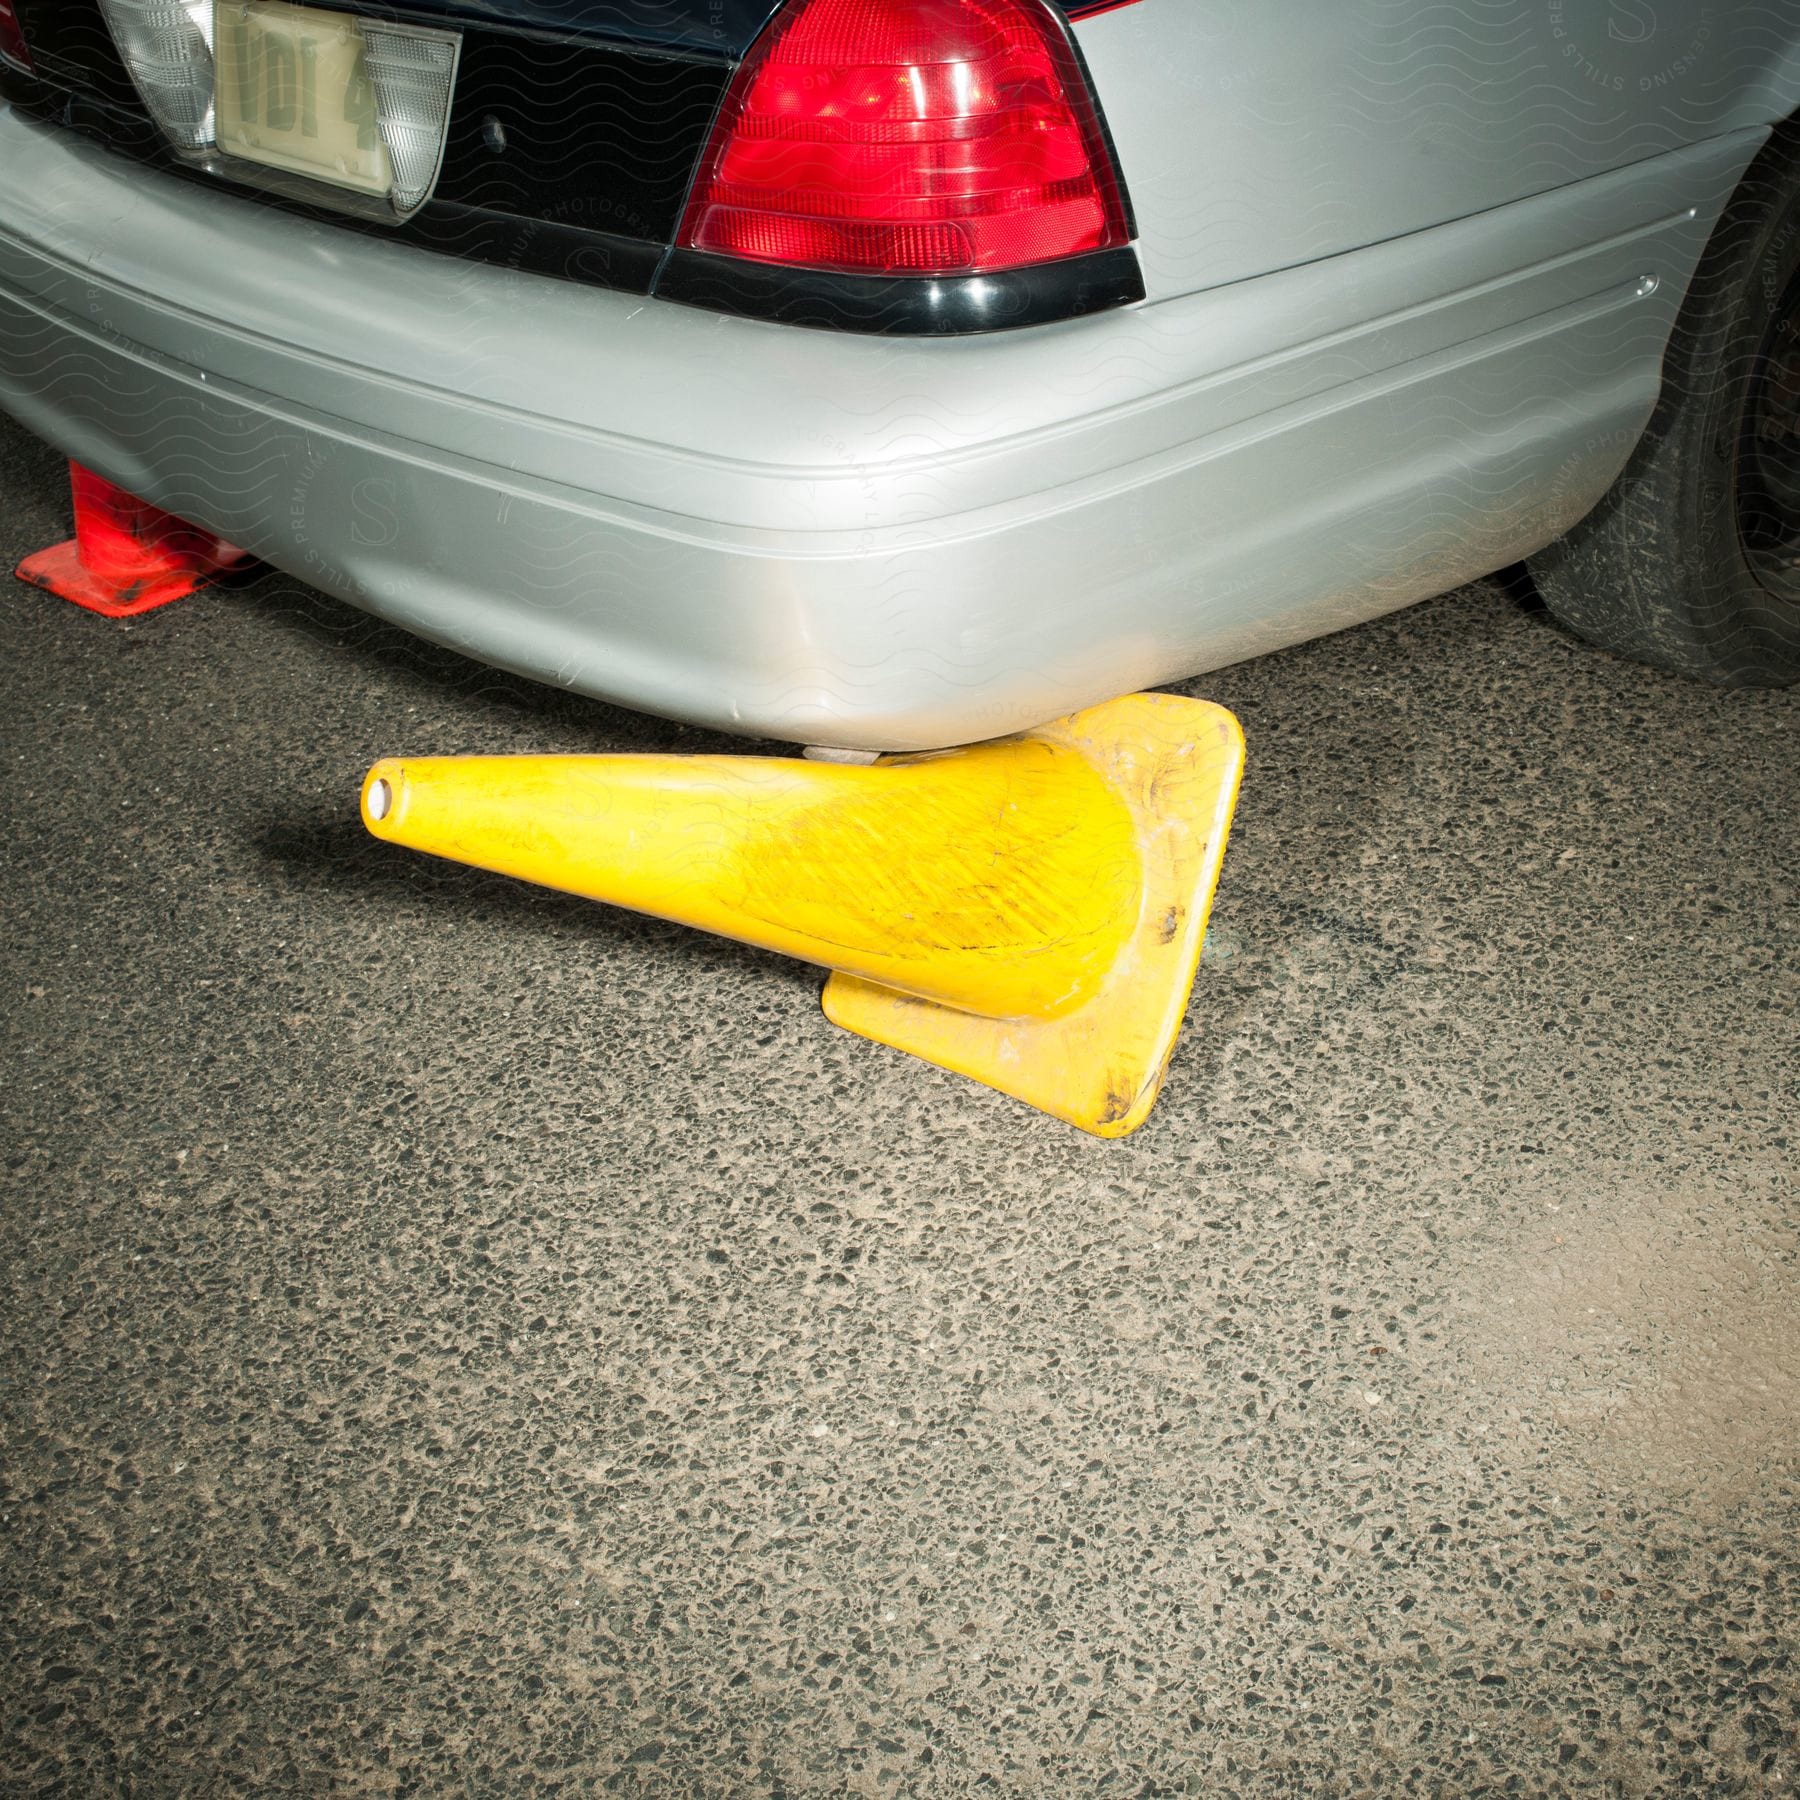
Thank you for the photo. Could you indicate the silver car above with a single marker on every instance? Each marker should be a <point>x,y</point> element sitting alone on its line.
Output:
<point>890,374</point>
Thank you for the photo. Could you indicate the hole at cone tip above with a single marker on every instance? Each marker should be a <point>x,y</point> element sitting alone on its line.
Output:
<point>381,798</point>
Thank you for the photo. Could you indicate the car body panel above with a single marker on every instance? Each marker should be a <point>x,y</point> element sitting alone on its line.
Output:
<point>1255,138</point>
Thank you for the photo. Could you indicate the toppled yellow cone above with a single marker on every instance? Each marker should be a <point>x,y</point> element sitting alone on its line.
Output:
<point>1027,912</point>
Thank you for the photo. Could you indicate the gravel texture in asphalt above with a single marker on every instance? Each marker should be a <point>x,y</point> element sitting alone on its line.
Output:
<point>459,1339</point>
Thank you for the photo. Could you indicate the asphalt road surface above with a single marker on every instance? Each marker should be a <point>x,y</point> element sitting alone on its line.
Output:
<point>459,1339</point>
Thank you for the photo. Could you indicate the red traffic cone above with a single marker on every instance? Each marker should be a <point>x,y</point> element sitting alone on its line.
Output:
<point>127,556</point>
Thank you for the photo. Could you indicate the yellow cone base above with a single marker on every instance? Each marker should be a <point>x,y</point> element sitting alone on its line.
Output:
<point>1176,765</point>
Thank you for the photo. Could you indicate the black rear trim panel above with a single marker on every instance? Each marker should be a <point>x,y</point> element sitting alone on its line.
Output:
<point>599,139</point>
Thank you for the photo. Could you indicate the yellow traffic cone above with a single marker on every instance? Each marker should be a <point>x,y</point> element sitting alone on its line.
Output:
<point>1027,912</point>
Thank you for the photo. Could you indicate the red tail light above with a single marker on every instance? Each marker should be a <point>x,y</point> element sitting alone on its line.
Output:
<point>12,37</point>
<point>908,137</point>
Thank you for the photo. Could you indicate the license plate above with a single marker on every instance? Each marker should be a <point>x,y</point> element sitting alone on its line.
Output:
<point>291,92</point>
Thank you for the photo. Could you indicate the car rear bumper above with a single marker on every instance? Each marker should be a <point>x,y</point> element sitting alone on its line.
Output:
<point>832,539</point>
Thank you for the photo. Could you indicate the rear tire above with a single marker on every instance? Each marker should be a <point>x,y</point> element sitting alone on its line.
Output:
<point>1692,560</point>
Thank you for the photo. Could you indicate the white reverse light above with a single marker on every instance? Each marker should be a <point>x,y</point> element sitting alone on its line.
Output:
<point>167,47</point>
<point>412,73</point>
